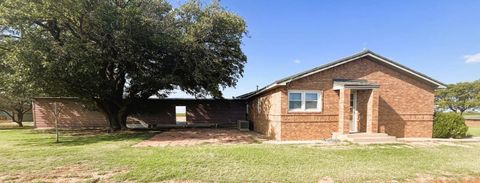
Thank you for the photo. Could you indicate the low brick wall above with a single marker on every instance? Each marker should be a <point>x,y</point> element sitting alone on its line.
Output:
<point>472,122</point>
<point>75,114</point>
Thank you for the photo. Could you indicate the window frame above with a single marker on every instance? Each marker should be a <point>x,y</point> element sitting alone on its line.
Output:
<point>303,100</point>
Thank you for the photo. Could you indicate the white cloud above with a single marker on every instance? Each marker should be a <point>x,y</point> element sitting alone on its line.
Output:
<point>297,61</point>
<point>472,58</point>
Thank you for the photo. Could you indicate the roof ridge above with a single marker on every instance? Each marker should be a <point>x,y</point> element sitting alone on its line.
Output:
<point>363,53</point>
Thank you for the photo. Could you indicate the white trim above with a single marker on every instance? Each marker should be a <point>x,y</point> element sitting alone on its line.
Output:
<point>354,113</point>
<point>303,100</point>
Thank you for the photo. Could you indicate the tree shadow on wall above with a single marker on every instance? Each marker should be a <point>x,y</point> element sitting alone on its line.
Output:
<point>265,121</point>
<point>389,120</point>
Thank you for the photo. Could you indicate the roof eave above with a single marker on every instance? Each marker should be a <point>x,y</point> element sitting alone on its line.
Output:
<point>284,81</point>
<point>251,94</point>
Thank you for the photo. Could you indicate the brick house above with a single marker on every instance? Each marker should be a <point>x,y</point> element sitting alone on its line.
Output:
<point>363,93</point>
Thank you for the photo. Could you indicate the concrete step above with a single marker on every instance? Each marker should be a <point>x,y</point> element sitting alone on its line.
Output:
<point>373,139</point>
<point>353,135</point>
<point>386,142</point>
<point>366,138</point>
<point>370,138</point>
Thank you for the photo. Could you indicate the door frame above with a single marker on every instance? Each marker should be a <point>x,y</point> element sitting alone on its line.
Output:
<point>353,123</point>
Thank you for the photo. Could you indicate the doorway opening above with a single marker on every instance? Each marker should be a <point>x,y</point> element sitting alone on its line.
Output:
<point>181,115</point>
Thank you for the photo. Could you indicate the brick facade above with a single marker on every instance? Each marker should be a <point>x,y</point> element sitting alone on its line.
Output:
<point>472,122</point>
<point>402,106</point>
<point>265,112</point>
<point>74,114</point>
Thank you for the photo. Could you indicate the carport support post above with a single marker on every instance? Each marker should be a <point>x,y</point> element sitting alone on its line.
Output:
<point>55,112</point>
<point>372,112</point>
<point>344,111</point>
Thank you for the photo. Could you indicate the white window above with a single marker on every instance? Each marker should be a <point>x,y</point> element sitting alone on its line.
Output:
<point>294,100</point>
<point>305,101</point>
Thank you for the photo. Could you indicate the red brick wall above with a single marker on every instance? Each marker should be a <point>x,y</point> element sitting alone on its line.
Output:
<point>73,114</point>
<point>264,113</point>
<point>405,103</point>
<point>472,122</point>
<point>76,115</point>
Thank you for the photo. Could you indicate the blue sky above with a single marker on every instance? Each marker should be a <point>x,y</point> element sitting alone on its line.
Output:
<point>440,38</point>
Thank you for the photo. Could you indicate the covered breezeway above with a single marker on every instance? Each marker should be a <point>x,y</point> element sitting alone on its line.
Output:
<point>151,113</point>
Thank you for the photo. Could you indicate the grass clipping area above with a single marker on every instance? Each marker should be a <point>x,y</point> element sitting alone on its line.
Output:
<point>474,131</point>
<point>31,156</point>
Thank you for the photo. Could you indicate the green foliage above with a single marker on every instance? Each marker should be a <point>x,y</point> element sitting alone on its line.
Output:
<point>449,125</point>
<point>459,97</point>
<point>116,52</point>
<point>16,86</point>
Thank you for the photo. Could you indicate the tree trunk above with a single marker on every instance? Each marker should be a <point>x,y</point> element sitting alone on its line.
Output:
<point>17,117</point>
<point>115,114</point>
<point>19,120</point>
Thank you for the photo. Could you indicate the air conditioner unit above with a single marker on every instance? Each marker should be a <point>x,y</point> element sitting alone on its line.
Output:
<point>243,125</point>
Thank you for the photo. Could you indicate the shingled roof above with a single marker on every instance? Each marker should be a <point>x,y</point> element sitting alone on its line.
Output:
<point>365,53</point>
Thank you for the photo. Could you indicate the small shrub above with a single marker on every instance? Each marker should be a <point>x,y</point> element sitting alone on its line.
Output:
<point>449,125</point>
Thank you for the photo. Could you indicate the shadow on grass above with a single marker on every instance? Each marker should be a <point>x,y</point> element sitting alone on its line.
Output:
<point>15,128</point>
<point>77,138</point>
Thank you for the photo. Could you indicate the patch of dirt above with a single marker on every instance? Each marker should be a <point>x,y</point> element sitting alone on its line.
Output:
<point>74,173</point>
<point>423,178</point>
<point>188,137</point>
<point>325,180</point>
<point>433,144</point>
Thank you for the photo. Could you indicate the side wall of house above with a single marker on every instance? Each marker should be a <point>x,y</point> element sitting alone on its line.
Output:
<point>265,113</point>
<point>75,114</point>
<point>405,103</point>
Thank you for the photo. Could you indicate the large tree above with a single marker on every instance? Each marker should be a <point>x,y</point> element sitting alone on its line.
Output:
<point>16,89</point>
<point>116,52</point>
<point>459,97</point>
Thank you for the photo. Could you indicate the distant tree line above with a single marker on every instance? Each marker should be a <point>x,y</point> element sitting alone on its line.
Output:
<point>460,97</point>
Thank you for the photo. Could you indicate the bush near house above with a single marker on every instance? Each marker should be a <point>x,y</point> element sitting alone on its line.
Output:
<point>449,125</point>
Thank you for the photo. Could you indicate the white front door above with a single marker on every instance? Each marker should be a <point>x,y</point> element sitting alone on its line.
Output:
<point>353,112</point>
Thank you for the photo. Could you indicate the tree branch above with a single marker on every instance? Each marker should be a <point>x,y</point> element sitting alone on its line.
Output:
<point>8,113</point>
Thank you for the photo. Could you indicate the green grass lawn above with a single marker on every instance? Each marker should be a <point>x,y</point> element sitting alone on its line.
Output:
<point>180,114</point>
<point>472,115</point>
<point>474,131</point>
<point>27,155</point>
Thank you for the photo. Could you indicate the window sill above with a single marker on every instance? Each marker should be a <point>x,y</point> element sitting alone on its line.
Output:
<point>304,111</point>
